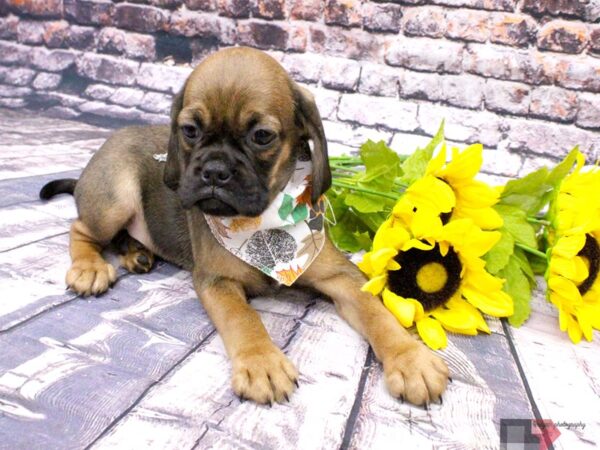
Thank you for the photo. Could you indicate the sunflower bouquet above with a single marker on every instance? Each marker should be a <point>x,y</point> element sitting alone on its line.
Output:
<point>444,249</point>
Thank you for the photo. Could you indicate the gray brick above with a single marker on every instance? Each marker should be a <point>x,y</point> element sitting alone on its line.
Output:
<point>162,78</point>
<point>304,67</point>
<point>127,96</point>
<point>16,76</point>
<point>378,111</point>
<point>553,103</point>
<point>461,124</point>
<point>468,25</point>
<point>463,90</point>
<point>142,18</point>
<point>505,63</point>
<point>327,101</point>
<point>8,102</point>
<point>133,45</point>
<point>340,73</point>
<point>424,21</point>
<point>52,60</point>
<point>30,32</point>
<point>154,119</point>
<point>352,135</point>
<point>431,55</point>
<point>13,91</point>
<point>157,103</point>
<point>550,139</point>
<point>507,97</point>
<point>11,53</point>
<point>47,80</point>
<point>99,91</point>
<point>422,86</point>
<point>63,112</point>
<point>501,161</point>
<point>576,73</point>
<point>112,111</point>
<point>378,79</point>
<point>589,111</point>
<point>384,17</point>
<point>8,27</point>
<point>193,24</point>
<point>107,69</point>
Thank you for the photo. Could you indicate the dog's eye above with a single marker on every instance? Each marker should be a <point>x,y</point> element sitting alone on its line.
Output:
<point>190,131</point>
<point>263,137</point>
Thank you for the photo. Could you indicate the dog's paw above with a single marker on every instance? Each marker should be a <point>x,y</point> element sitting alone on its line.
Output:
<point>416,374</point>
<point>90,277</point>
<point>137,260</point>
<point>264,376</point>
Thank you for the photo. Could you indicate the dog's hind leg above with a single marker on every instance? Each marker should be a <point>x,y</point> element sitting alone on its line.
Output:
<point>90,273</point>
<point>132,254</point>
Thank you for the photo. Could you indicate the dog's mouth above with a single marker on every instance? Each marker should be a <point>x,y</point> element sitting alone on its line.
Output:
<point>211,200</point>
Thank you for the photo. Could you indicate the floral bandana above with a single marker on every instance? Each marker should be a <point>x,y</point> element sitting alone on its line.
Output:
<point>286,238</point>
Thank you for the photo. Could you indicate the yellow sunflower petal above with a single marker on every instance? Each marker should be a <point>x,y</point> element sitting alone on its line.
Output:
<point>569,246</point>
<point>465,164</point>
<point>458,303</point>
<point>432,194</point>
<point>375,285</point>
<point>401,308</point>
<point>455,320</point>
<point>585,322</point>
<point>484,218</point>
<point>390,236</point>
<point>380,259</point>
<point>497,304</point>
<point>474,194</point>
<point>573,330</point>
<point>432,333</point>
<point>566,288</point>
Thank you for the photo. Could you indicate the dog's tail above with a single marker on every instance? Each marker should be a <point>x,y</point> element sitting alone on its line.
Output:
<point>63,186</point>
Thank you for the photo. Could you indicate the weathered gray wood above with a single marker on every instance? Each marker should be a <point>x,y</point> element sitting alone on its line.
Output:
<point>26,189</point>
<point>564,378</point>
<point>196,397</point>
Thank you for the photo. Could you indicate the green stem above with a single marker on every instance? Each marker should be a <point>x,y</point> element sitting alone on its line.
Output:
<point>536,220</point>
<point>342,167</point>
<point>339,183</point>
<point>530,250</point>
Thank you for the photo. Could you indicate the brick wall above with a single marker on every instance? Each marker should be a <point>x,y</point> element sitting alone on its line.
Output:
<point>521,76</point>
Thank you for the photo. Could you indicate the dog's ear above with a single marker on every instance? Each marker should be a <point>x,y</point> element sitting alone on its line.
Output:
<point>172,168</point>
<point>310,119</point>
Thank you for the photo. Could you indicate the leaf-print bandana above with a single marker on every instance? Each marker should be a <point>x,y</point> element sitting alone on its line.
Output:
<point>286,238</point>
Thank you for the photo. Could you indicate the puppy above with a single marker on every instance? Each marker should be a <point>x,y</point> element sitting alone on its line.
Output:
<point>237,128</point>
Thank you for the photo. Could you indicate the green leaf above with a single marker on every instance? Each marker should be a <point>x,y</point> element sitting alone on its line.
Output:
<point>300,213</point>
<point>286,206</point>
<point>382,166</point>
<point>415,165</point>
<point>515,222</point>
<point>563,168</point>
<point>526,265</point>
<point>365,203</point>
<point>528,193</point>
<point>518,287</point>
<point>497,258</point>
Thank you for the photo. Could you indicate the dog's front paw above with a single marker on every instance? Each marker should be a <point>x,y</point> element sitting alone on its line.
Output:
<point>264,375</point>
<point>90,277</point>
<point>416,374</point>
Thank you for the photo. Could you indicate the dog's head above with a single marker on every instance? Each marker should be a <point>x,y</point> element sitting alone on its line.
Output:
<point>237,129</point>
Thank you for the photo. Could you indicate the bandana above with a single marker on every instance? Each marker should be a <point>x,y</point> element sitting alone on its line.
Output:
<point>286,238</point>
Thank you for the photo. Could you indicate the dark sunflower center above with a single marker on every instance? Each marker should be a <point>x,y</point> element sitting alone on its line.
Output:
<point>591,252</point>
<point>426,276</point>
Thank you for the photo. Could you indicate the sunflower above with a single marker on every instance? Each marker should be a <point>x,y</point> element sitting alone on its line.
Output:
<point>574,264</point>
<point>431,274</point>
<point>450,190</point>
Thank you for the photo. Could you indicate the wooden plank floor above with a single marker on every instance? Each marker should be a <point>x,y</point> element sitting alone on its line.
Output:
<point>142,366</point>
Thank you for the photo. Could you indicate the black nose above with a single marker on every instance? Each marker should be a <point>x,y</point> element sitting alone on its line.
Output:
<point>215,173</point>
